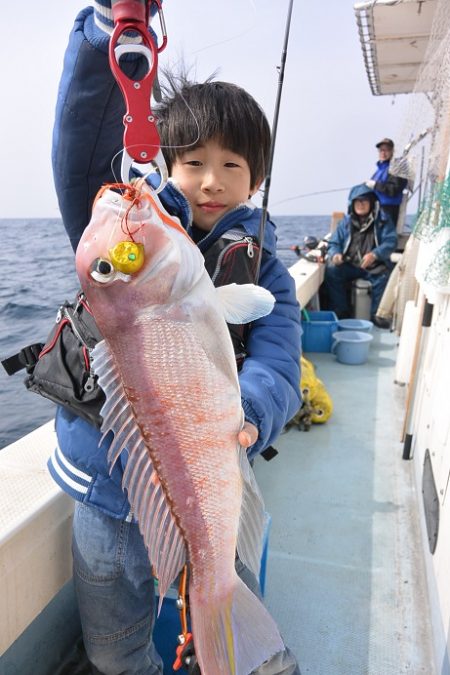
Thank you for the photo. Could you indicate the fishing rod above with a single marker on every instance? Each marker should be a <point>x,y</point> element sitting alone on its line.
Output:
<point>314,251</point>
<point>262,225</point>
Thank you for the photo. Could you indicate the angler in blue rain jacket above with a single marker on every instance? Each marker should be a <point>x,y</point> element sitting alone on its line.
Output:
<point>360,248</point>
<point>88,133</point>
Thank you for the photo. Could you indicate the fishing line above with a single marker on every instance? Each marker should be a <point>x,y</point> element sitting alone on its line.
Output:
<point>253,27</point>
<point>223,42</point>
<point>265,202</point>
<point>312,194</point>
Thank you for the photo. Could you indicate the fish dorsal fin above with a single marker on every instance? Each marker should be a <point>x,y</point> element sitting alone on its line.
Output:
<point>253,518</point>
<point>163,540</point>
<point>242,303</point>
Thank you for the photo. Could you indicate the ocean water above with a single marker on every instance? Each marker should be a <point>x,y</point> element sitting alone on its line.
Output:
<point>37,275</point>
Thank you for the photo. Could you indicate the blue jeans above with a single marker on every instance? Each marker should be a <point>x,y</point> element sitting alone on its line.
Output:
<point>337,278</point>
<point>116,598</point>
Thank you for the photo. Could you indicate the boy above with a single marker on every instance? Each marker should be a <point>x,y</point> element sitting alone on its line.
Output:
<point>216,142</point>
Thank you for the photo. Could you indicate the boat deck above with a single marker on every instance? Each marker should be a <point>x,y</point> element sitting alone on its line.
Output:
<point>345,576</point>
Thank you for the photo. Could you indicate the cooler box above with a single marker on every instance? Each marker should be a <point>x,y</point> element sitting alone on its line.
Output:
<point>167,626</point>
<point>318,331</point>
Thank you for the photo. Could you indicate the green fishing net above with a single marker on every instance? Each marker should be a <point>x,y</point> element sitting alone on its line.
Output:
<point>434,213</point>
<point>432,227</point>
<point>438,271</point>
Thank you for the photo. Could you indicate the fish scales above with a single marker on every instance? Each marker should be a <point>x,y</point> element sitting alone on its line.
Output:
<point>176,419</point>
<point>167,346</point>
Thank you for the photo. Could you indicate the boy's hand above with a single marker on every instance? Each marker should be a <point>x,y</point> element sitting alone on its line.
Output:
<point>248,435</point>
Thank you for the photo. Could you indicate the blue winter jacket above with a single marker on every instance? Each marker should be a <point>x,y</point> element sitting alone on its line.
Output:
<point>388,188</point>
<point>88,132</point>
<point>385,238</point>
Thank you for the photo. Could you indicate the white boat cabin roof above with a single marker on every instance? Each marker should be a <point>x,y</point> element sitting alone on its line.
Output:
<point>394,37</point>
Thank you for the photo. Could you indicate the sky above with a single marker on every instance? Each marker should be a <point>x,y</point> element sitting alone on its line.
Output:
<point>328,123</point>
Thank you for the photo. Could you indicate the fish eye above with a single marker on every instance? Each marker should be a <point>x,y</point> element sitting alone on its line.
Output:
<point>102,270</point>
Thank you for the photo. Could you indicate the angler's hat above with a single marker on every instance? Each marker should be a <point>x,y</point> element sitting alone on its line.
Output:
<point>385,141</point>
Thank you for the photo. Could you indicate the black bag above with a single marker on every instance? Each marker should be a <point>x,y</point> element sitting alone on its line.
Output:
<point>60,369</point>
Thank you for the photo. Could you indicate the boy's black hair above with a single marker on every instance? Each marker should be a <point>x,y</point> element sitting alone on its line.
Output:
<point>193,113</point>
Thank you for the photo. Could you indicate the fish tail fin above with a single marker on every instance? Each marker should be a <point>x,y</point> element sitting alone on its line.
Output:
<point>233,635</point>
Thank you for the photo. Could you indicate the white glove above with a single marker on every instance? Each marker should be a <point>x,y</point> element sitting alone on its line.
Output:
<point>370,184</point>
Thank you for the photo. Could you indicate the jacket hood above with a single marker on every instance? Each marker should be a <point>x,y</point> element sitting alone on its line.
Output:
<point>362,191</point>
<point>359,191</point>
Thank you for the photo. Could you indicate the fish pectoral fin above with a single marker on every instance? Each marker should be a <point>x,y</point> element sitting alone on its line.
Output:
<point>242,303</point>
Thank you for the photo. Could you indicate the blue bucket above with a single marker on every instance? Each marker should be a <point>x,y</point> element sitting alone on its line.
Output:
<point>360,325</point>
<point>351,346</point>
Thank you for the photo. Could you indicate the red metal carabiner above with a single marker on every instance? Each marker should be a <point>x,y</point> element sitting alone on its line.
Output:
<point>141,138</point>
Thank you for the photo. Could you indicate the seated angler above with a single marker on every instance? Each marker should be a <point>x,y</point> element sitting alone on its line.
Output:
<point>360,248</point>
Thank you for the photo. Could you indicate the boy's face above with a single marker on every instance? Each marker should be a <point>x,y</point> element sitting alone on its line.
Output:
<point>214,180</point>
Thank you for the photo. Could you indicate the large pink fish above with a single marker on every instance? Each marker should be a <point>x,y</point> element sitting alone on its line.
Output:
<point>168,370</point>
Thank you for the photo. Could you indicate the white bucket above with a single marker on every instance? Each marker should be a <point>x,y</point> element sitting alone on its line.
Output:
<point>351,346</point>
<point>361,325</point>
